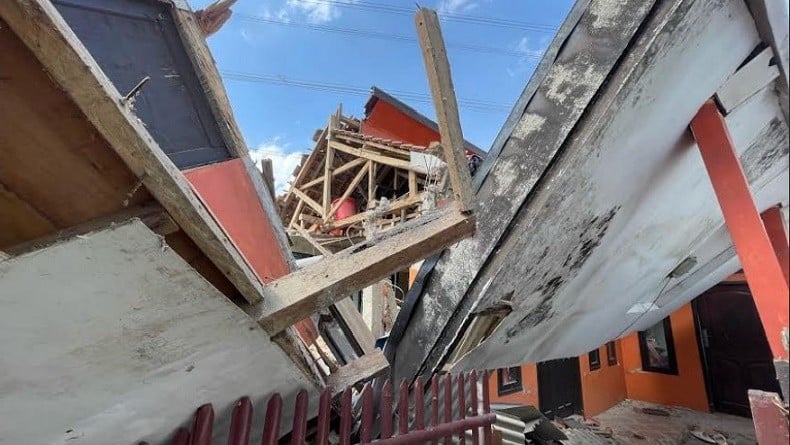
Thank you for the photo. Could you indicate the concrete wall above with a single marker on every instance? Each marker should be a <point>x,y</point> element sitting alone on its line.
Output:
<point>604,387</point>
<point>528,394</point>
<point>685,389</point>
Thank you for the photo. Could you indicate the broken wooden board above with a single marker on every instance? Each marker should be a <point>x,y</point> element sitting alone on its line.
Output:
<point>113,338</point>
<point>319,285</point>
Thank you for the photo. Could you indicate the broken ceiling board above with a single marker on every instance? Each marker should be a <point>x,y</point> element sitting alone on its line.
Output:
<point>56,170</point>
<point>588,257</point>
<point>585,60</point>
<point>38,24</point>
<point>749,79</point>
<point>113,338</point>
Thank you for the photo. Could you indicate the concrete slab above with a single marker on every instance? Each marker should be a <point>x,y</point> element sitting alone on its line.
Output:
<point>112,337</point>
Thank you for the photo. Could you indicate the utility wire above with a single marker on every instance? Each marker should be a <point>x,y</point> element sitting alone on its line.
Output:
<point>469,104</point>
<point>383,36</point>
<point>463,18</point>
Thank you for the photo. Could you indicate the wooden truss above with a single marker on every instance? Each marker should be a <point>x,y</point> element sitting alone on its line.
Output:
<point>377,175</point>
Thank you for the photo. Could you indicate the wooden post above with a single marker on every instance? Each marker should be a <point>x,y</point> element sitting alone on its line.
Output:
<point>438,69</point>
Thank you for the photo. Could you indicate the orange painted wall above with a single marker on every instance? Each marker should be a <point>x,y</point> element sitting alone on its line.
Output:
<point>604,387</point>
<point>527,396</point>
<point>228,193</point>
<point>686,389</point>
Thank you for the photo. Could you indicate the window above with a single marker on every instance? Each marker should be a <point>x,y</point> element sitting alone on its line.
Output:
<point>595,359</point>
<point>611,353</point>
<point>508,380</point>
<point>658,349</point>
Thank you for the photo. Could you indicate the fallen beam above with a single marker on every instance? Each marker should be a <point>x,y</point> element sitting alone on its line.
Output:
<point>318,286</point>
<point>358,371</point>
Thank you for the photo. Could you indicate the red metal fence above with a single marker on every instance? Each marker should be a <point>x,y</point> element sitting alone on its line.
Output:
<point>471,417</point>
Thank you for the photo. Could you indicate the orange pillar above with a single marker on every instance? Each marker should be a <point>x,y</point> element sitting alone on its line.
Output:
<point>754,248</point>
<point>777,233</point>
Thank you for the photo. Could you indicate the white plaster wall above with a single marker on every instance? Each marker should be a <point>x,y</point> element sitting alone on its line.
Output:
<point>112,338</point>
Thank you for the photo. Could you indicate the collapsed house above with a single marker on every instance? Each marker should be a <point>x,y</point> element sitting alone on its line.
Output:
<point>596,197</point>
<point>143,273</point>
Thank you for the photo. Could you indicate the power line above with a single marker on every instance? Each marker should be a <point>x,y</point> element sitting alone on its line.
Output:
<point>382,36</point>
<point>464,18</point>
<point>468,104</point>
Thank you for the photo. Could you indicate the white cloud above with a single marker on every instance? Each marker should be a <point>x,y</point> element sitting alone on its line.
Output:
<point>283,162</point>
<point>316,11</point>
<point>455,6</point>
<point>532,54</point>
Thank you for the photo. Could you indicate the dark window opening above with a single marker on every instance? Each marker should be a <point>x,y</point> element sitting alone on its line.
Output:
<point>595,359</point>
<point>509,380</point>
<point>611,353</point>
<point>658,349</point>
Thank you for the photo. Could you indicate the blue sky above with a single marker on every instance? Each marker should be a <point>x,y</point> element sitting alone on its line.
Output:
<point>278,121</point>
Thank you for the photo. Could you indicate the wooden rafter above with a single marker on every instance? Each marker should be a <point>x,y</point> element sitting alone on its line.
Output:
<point>351,186</point>
<point>317,286</point>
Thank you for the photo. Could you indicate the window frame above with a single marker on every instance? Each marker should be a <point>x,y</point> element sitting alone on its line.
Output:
<point>611,354</point>
<point>508,388</point>
<point>595,363</point>
<point>672,369</point>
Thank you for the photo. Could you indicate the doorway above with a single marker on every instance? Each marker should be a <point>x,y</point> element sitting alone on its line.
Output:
<point>735,351</point>
<point>559,387</point>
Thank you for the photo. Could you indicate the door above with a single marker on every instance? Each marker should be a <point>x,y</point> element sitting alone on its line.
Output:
<point>559,387</point>
<point>736,352</point>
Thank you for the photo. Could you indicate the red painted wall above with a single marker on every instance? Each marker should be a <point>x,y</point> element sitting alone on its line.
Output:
<point>230,196</point>
<point>604,387</point>
<point>685,389</point>
<point>228,193</point>
<point>388,122</point>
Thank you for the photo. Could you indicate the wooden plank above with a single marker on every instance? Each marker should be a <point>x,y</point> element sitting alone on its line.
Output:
<point>305,167</point>
<point>377,145</point>
<point>351,186</point>
<point>315,287</point>
<point>395,206</point>
<point>153,216</point>
<point>748,80</point>
<point>326,200</point>
<point>342,169</point>
<point>309,238</point>
<point>438,69</point>
<point>351,319</point>
<point>373,156</point>
<point>358,371</point>
<point>371,184</point>
<point>412,184</point>
<point>210,80</point>
<point>267,172</point>
<point>39,25</point>
<point>308,200</point>
<point>297,211</point>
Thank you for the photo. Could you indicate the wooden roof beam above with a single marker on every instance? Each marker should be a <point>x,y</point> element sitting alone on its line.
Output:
<point>320,285</point>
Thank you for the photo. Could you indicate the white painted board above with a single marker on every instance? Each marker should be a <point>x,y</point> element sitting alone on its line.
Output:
<point>113,338</point>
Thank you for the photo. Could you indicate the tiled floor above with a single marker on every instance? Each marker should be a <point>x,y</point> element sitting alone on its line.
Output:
<point>632,426</point>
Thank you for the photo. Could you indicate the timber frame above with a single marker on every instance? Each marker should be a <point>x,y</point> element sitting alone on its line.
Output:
<point>348,164</point>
